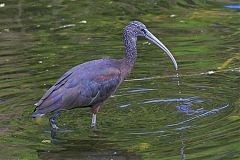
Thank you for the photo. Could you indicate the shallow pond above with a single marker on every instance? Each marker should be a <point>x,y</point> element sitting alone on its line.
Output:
<point>158,112</point>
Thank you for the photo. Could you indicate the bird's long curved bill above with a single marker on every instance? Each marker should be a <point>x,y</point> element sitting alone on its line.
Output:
<point>152,38</point>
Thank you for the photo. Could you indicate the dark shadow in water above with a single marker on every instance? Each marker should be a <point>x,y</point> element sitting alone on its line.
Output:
<point>87,149</point>
<point>96,147</point>
<point>55,132</point>
<point>75,153</point>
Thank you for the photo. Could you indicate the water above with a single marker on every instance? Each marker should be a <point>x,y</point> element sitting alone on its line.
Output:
<point>158,113</point>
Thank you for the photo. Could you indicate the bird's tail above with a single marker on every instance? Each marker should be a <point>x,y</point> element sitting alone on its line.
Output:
<point>35,115</point>
<point>45,108</point>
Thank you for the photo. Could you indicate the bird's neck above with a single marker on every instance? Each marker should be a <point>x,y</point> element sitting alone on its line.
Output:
<point>130,48</point>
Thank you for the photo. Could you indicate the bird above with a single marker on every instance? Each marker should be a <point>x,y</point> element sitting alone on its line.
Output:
<point>91,83</point>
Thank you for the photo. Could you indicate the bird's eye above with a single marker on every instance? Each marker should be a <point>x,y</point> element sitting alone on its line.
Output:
<point>144,31</point>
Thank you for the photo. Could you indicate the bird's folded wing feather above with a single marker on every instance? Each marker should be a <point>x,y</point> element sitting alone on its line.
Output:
<point>76,88</point>
<point>61,81</point>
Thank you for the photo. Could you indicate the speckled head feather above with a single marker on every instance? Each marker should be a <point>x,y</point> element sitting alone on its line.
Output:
<point>130,34</point>
<point>135,28</point>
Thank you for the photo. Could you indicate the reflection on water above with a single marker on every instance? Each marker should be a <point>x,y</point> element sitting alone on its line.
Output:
<point>158,113</point>
<point>232,6</point>
<point>92,149</point>
<point>186,103</point>
<point>213,111</point>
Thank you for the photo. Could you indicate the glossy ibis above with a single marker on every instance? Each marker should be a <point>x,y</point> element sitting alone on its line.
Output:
<point>91,83</point>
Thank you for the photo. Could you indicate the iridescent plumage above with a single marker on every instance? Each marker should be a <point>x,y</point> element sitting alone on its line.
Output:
<point>91,83</point>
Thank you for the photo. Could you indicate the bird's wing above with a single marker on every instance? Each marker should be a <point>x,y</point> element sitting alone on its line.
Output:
<point>99,87</point>
<point>78,88</point>
<point>61,81</point>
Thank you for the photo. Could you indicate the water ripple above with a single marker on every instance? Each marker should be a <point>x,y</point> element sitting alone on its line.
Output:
<point>125,105</point>
<point>184,127</point>
<point>199,116</point>
<point>232,6</point>
<point>170,100</point>
<point>140,90</point>
<point>154,132</point>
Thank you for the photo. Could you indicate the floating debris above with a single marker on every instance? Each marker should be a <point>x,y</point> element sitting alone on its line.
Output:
<point>6,30</point>
<point>64,26</point>
<point>210,72</point>
<point>65,46</point>
<point>40,62</point>
<point>83,21</point>
<point>173,15</point>
<point>2,5</point>
<point>146,43</point>
<point>46,141</point>
<point>230,60</point>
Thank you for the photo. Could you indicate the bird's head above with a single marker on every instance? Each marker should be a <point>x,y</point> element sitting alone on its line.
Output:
<point>136,28</point>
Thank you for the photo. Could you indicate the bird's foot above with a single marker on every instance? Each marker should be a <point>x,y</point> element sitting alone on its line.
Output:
<point>93,125</point>
<point>52,121</point>
<point>53,124</point>
<point>55,127</point>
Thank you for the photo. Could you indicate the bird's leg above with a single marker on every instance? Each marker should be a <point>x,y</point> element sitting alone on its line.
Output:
<point>94,120</point>
<point>52,121</point>
<point>95,109</point>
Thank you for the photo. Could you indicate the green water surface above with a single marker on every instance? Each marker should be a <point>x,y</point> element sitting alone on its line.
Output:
<point>154,114</point>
